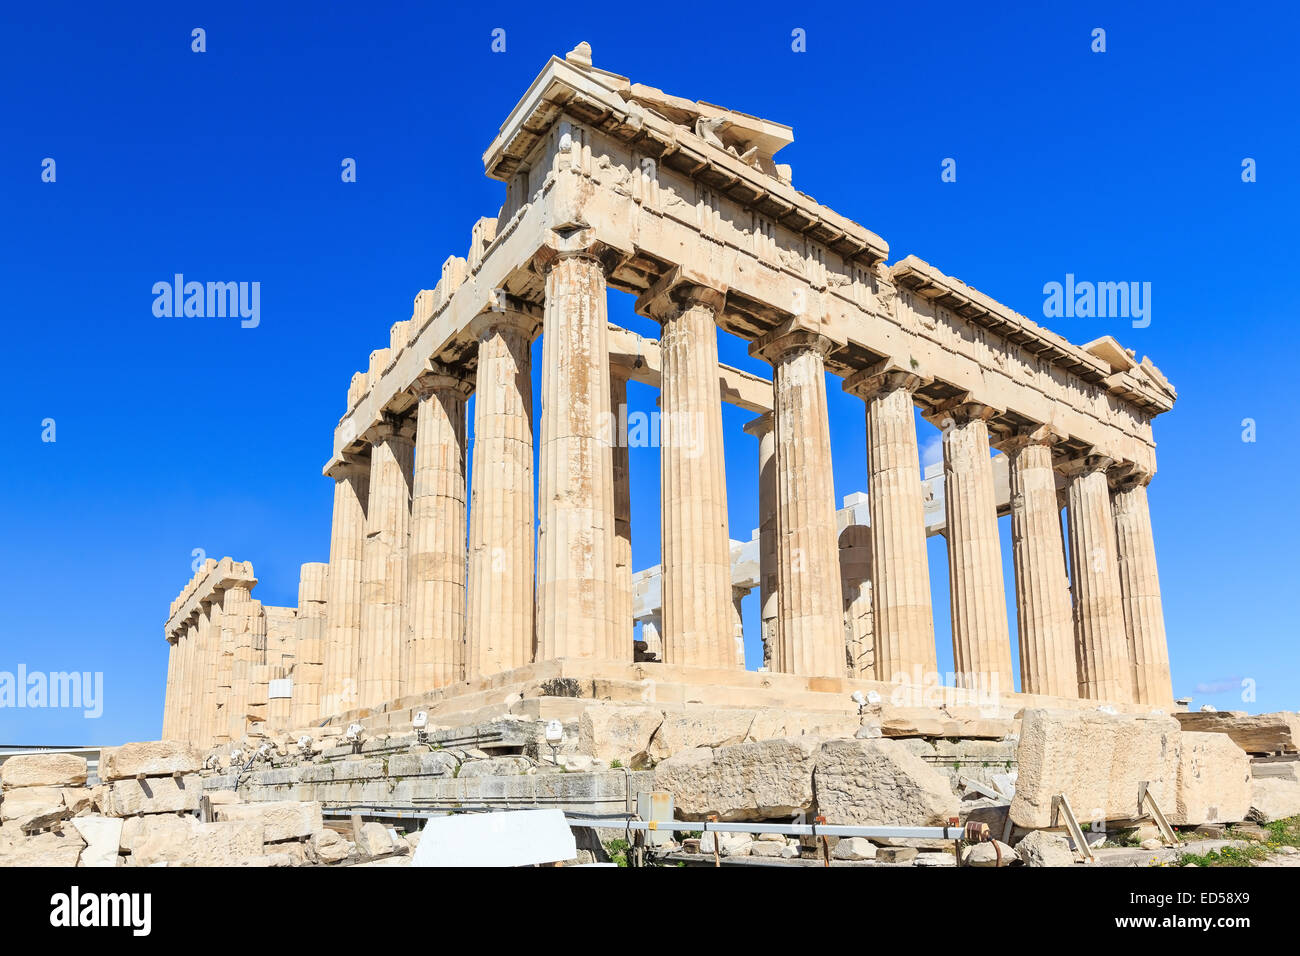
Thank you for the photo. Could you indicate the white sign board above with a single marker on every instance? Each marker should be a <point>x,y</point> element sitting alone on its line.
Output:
<point>511,838</point>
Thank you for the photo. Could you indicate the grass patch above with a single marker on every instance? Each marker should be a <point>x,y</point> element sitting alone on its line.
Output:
<point>1281,833</point>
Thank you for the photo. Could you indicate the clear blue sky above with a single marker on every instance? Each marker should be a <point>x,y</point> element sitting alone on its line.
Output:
<point>176,434</point>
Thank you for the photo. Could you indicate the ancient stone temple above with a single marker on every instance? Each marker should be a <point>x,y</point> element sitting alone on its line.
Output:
<point>457,592</point>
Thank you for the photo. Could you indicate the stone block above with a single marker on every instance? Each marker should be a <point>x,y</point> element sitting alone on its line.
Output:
<point>152,758</point>
<point>326,846</point>
<point>618,733</point>
<point>1043,848</point>
<point>58,847</point>
<point>126,798</point>
<point>43,770</point>
<point>854,848</point>
<point>896,854</point>
<point>280,819</point>
<point>103,837</point>
<point>708,727</point>
<point>1272,799</point>
<point>880,783</point>
<point>374,840</point>
<point>1277,732</point>
<point>764,780</point>
<point>1098,760</point>
<point>1213,780</point>
<point>21,806</point>
<point>993,853</point>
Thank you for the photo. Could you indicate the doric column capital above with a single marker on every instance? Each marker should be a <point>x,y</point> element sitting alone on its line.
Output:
<point>1011,441</point>
<point>348,466</point>
<point>1085,465</point>
<point>575,244</point>
<point>680,289</point>
<point>437,377</point>
<point>760,426</point>
<point>785,339</point>
<point>390,427</point>
<point>884,376</point>
<point>507,312</point>
<point>960,411</point>
<point>1126,476</point>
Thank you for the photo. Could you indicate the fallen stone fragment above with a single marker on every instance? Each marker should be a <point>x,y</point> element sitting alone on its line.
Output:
<point>1042,848</point>
<point>895,854</point>
<point>993,853</point>
<point>43,770</point>
<point>880,783</point>
<point>854,848</point>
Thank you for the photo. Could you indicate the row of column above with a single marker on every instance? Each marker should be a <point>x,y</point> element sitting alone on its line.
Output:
<point>216,670</point>
<point>407,611</point>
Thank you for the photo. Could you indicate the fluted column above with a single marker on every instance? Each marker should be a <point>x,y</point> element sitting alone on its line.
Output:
<point>855,581</point>
<point>169,691</point>
<point>576,599</point>
<point>343,606</point>
<point>622,508</point>
<point>1144,618</point>
<point>810,628</point>
<point>226,658</point>
<point>210,660</point>
<point>738,625</point>
<point>695,544</point>
<point>186,711</point>
<point>1101,643</point>
<point>1043,615</point>
<point>384,562</point>
<point>762,429</point>
<point>248,637</point>
<point>501,515</point>
<point>981,639</point>
<point>309,642</point>
<point>435,622</point>
<point>900,587</point>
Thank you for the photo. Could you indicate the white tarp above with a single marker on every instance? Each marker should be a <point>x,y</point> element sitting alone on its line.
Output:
<point>511,838</point>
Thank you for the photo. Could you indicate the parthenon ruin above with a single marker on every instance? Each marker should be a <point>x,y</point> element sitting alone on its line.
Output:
<point>439,587</point>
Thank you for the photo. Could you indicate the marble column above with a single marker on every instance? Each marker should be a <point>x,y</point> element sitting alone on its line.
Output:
<point>763,429</point>
<point>651,630</point>
<point>855,581</point>
<point>384,562</point>
<point>309,643</point>
<point>343,606</point>
<point>210,649</point>
<point>1043,616</point>
<point>169,693</point>
<point>502,525</point>
<point>1144,618</point>
<point>981,638</point>
<point>738,625</point>
<point>576,594</point>
<point>435,622</point>
<point>810,629</point>
<point>1100,639</point>
<point>622,509</point>
<point>186,710</point>
<point>900,587</point>
<point>230,598</point>
<point>695,544</point>
<point>249,648</point>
